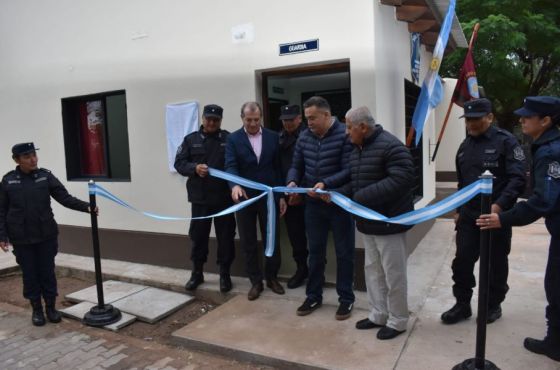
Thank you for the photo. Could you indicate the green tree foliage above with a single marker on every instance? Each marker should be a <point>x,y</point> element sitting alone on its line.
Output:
<point>517,52</point>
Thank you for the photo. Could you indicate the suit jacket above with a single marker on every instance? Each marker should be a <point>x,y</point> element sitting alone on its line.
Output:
<point>242,161</point>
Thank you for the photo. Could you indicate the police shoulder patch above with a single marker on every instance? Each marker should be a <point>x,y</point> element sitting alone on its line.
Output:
<point>554,170</point>
<point>518,153</point>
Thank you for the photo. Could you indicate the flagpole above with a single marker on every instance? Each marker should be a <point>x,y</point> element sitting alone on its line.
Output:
<point>444,125</point>
<point>476,27</point>
<point>410,136</point>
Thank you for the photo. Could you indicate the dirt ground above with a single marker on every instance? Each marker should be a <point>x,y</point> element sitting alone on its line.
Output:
<point>11,292</point>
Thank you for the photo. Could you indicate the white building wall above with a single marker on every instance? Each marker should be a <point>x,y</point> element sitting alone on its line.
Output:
<point>159,52</point>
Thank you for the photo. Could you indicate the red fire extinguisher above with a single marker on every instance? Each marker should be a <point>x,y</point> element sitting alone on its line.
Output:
<point>92,122</point>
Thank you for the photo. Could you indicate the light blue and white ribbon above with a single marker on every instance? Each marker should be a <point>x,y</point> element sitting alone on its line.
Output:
<point>483,186</point>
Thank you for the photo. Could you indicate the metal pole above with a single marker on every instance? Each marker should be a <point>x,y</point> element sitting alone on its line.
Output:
<point>102,314</point>
<point>483,277</point>
<point>479,362</point>
<point>96,253</point>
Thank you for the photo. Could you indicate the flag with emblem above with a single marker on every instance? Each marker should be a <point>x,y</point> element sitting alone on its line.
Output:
<point>432,90</point>
<point>467,84</point>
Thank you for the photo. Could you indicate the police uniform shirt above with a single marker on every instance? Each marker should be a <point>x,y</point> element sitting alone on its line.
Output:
<point>545,177</point>
<point>26,216</point>
<point>497,151</point>
<point>202,148</point>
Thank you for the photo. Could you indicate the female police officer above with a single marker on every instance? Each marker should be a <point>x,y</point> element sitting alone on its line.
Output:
<point>27,222</point>
<point>540,118</point>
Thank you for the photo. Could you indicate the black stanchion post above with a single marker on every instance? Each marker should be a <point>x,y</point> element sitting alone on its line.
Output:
<point>102,314</point>
<point>479,362</point>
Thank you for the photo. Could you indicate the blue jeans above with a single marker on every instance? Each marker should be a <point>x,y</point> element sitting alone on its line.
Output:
<point>321,217</point>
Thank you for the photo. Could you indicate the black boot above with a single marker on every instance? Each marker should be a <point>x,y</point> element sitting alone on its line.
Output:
<point>459,312</point>
<point>197,278</point>
<point>37,317</point>
<point>299,277</point>
<point>225,280</point>
<point>549,346</point>
<point>52,314</point>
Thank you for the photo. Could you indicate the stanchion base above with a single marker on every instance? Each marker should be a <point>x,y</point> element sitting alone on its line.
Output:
<point>470,365</point>
<point>101,316</point>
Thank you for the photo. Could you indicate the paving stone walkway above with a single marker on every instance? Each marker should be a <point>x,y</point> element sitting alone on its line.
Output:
<point>69,345</point>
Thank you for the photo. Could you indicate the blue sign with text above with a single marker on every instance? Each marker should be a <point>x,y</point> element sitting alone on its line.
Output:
<point>299,47</point>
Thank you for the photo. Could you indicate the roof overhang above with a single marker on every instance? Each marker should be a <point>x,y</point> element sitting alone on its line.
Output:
<point>426,17</point>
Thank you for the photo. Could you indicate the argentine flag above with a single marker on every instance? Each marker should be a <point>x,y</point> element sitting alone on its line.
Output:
<point>432,90</point>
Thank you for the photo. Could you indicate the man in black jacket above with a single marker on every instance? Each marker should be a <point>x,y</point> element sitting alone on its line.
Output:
<point>321,162</point>
<point>208,195</point>
<point>295,214</point>
<point>486,148</point>
<point>27,222</point>
<point>382,174</point>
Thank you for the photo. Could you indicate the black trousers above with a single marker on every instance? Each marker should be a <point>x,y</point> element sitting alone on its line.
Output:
<point>247,226</point>
<point>37,267</point>
<point>199,233</point>
<point>552,285</point>
<point>295,225</point>
<point>468,252</point>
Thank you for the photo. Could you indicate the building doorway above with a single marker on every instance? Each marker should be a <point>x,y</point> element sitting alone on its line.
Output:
<point>296,84</point>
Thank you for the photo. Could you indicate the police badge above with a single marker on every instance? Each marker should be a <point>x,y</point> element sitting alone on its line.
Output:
<point>554,170</point>
<point>518,153</point>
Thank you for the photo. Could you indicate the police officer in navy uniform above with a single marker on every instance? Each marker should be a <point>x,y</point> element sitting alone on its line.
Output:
<point>200,150</point>
<point>295,214</point>
<point>540,119</point>
<point>27,222</point>
<point>486,147</point>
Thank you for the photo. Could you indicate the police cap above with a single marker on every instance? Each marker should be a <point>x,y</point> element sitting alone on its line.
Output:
<point>23,148</point>
<point>213,110</point>
<point>477,108</point>
<point>289,111</point>
<point>539,106</point>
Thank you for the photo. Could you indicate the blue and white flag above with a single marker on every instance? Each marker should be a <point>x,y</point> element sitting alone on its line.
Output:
<point>432,90</point>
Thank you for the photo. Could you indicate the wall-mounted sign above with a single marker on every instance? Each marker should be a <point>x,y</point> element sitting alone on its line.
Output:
<point>299,47</point>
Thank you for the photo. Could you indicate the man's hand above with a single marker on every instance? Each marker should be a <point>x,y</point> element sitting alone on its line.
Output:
<point>201,170</point>
<point>495,208</point>
<point>313,193</point>
<point>237,192</point>
<point>293,198</point>
<point>96,210</point>
<point>491,221</point>
<point>282,206</point>
<point>326,197</point>
<point>5,246</point>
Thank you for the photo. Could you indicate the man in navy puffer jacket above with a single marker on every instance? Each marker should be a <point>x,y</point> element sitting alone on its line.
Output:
<point>321,162</point>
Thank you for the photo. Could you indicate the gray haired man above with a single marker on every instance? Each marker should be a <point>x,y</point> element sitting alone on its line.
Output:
<point>382,174</point>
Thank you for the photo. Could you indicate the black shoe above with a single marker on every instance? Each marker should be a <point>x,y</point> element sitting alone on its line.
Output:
<point>494,314</point>
<point>543,347</point>
<point>299,277</point>
<point>367,324</point>
<point>307,307</point>
<point>37,317</point>
<point>275,286</point>
<point>225,283</point>
<point>255,291</point>
<point>53,315</point>
<point>459,312</point>
<point>388,333</point>
<point>196,279</point>
<point>344,311</point>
